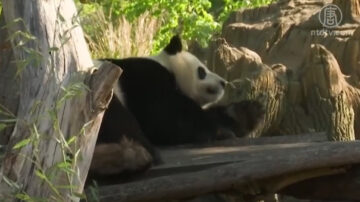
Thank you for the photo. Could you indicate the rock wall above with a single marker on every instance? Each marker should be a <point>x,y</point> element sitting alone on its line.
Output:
<point>305,72</point>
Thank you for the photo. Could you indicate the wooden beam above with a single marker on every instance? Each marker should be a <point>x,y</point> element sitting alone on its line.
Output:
<point>257,164</point>
<point>343,186</point>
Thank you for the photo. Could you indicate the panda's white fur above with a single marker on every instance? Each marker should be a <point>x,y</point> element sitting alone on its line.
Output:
<point>184,66</point>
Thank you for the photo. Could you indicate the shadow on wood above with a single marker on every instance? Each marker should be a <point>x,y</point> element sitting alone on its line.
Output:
<point>255,171</point>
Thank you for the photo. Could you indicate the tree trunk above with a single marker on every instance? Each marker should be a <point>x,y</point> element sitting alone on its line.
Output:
<point>306,74</point>
<point>61,102</point>
<point>9,85</point>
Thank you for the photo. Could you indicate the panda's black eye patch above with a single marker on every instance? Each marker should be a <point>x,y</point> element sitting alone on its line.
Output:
<point>201,73</point>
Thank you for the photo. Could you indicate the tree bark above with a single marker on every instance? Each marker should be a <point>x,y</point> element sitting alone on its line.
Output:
<point>61,102</point>
<point>9,85</point>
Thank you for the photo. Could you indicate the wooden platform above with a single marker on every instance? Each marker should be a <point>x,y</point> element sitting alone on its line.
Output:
<point>302,166</point>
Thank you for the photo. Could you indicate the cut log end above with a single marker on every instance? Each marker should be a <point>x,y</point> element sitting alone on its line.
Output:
<point>101,84</point>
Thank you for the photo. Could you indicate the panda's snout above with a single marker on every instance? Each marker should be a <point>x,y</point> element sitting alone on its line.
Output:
<point>216,88</point>
<point>222,84</point>
<point>212,90</point>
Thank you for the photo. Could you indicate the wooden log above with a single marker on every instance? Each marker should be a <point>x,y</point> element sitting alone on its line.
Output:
<point>301,138</point>
<point>342,187</point>
<point>281,160</point>
<point>61,103</point>
<point>190,158</point>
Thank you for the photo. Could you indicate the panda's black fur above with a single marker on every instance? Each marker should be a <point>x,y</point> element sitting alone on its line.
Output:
<point>151,109</point>
<point>165,114</point>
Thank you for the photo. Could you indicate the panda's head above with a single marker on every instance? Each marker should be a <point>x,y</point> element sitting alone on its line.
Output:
<point>193,78</point>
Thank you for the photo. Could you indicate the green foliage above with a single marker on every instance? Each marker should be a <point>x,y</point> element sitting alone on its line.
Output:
<point>70,152</point>
<point>93,192</point>
<point>191,19</point>
<point>195,20</point>
<point>229,6</point>
<point>21,39</point>
<point>117,37</point>
<point>8,118</point>
<point>31,145</point>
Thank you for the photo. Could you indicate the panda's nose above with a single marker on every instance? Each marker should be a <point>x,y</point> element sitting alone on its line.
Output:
<point>222,84</point>
<point>212,90</point>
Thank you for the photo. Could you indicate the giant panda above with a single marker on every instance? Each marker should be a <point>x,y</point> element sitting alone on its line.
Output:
<point>164,100</point>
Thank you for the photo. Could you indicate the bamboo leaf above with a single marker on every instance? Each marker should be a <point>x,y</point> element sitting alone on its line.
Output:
<point>40,175</point>
<point>3,126</point>
<point>22,143</point>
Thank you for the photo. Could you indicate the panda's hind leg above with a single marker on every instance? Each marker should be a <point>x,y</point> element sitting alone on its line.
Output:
<point>125,156</point>
<point>121,149</point>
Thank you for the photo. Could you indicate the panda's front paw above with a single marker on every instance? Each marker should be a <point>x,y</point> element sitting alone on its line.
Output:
<point>247,114</point>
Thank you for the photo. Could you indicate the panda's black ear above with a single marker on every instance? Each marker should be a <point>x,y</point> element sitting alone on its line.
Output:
<point>174,46</point>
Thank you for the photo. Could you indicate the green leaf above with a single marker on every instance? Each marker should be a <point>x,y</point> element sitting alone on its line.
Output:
<point>53,49</point>
<point>71,140</point>
<point>63,165</point>
<point>3,126</point>
<point>61,18</point>
<point>22,196</point>
<point>66,187</point>
<point>22,143</point>
<point>40,175</point>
